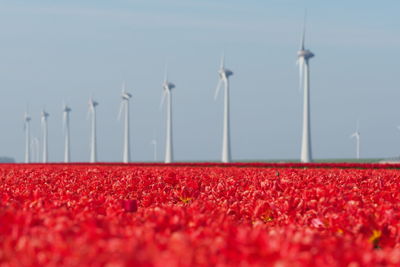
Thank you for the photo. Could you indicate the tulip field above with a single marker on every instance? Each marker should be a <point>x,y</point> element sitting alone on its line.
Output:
<point>199,215</point>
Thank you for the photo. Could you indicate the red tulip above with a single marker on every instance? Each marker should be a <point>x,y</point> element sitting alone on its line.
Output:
<point>130,205</point>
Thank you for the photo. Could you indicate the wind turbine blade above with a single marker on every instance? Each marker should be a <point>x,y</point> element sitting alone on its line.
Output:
<point>90,110</point>
<point>303,35</point>
<point>222,65</point>
<point>166,73</point>
<point>163,98</point>
<point>123,87</point>
<point>301,63</point>
<point>217,89</point>
<point>302,45</point>
<point>121,107</point>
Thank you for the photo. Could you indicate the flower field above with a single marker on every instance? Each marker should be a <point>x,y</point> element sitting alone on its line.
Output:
<point>199,215</point>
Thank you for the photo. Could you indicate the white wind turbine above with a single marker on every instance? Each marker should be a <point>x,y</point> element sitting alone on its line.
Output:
<point>44,117</point>
<point>154,144</point>
<point>356,135</point>
<point>67,146</point>
<point>167,93</point>
<point>93,142</point>
<point>27,129</point>
<point>125,107</point>
<point>224,75</point>
<point>304,55</point>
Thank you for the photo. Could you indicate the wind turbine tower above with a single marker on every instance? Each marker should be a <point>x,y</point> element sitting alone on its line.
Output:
<point>44,117</point>
<point>93,142</point>
<point>357,136</point>
<point>224,75</point>
<point>67,149</point>
<point>304,56</point>
<point>27,120</point>
<point>167,87</point>
<point>125,108</point>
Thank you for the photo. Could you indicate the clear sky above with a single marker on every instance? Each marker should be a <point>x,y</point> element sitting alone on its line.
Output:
<point>55,51</point>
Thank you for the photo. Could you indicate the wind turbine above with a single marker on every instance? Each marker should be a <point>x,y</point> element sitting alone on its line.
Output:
<point>167,93</point>
<point>125,107</point>
<point>356,135</point>
<point>224,75</point>
<point>93,142</point>
<point>67,148</point>
<point>27,120</point>
<point>154,144</point>
<point>304,55</point>
<point>44,117</point>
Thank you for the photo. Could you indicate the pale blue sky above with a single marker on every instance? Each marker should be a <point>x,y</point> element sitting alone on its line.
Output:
<point>55,51</point>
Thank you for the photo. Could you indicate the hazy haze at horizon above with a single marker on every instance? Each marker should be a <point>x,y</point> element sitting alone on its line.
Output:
<point>54,52</point>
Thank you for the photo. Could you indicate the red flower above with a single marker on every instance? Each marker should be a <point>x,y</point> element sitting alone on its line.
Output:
<point>130,205</point>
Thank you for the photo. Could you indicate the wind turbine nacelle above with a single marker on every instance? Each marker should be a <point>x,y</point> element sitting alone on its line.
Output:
<point>126,96</point>
<point>67,109</point>
<point>27,117</point>
<point>306,54</point>
<point>45,114</point>
<point>168,86</point>
<point>228,73</point>
<point>225,73</point>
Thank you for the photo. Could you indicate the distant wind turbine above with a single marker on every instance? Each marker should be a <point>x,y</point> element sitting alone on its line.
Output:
<point>224,75</point>
<point>93,142</point>
<point>154,144</point>
<point>304,55</point>
<point>126,157</point>
<point>67,145</point>
<point>167,93</point>
<point>44,117</point>
<point>27,120</point>
<point>356,135</point>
